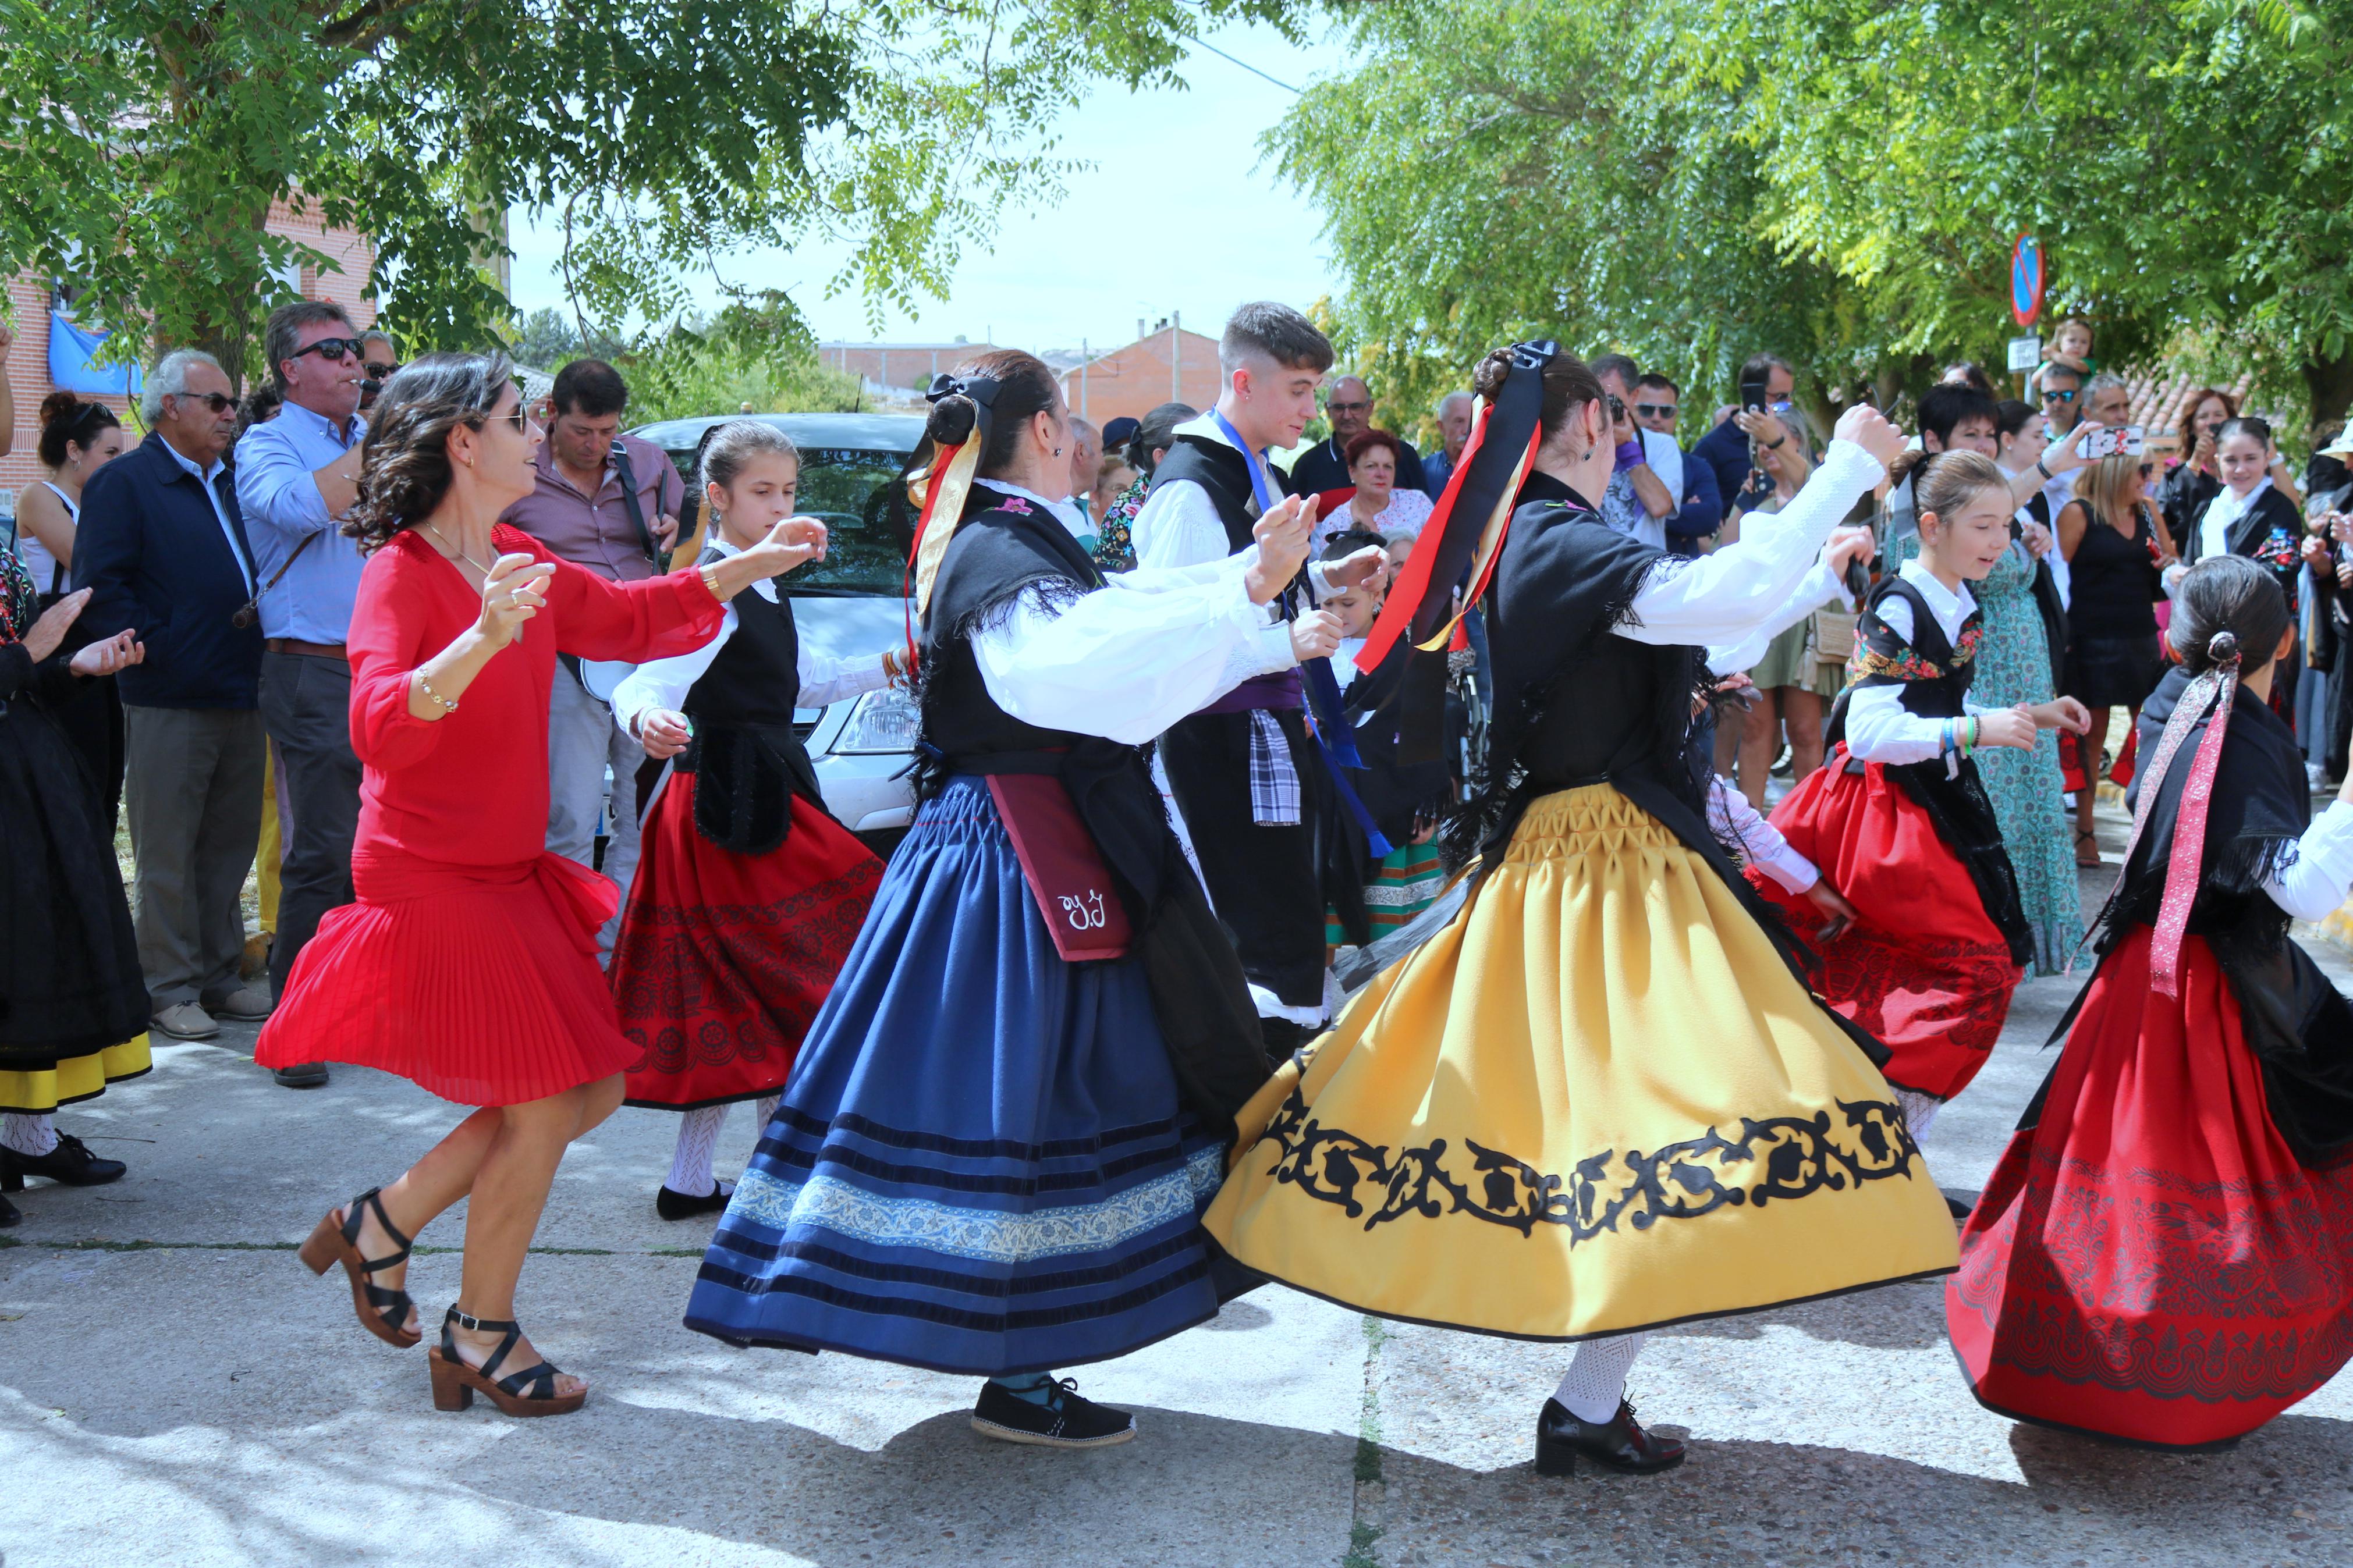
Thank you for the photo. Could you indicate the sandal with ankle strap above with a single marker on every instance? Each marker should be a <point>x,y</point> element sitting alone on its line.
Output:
<point>455,1384</point>
<point>383,1311</point>
<point>2083,837</point>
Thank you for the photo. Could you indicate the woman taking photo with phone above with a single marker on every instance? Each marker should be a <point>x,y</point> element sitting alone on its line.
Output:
<point>2116,547</point>
<point>469,963</point>
<point>1795,686</point>
<point>2194,477</point>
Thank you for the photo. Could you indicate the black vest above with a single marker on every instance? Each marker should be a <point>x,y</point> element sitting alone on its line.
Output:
<point>1221,471</point>
<point>747,759</point>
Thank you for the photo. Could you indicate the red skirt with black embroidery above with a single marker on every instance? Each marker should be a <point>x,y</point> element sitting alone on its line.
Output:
<point>1923,967</point>
<point>2149,1261</point>
<point>724,959</point>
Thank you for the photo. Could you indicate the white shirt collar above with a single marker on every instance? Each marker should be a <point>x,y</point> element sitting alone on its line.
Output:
<point>206,475</point>
<point>1204,425</point>
<point>1079,525</point>
<point>1951,607</point>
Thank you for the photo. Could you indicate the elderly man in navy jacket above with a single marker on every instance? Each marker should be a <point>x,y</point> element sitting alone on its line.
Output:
<point>161,548</point>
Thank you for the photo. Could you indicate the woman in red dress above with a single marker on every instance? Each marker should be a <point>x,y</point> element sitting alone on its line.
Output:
<point>468,963</point>
<point>748,893</point>
<point>2163,1255</point>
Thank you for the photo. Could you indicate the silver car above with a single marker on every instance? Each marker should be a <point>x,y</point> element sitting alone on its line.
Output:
<point>853,602</point>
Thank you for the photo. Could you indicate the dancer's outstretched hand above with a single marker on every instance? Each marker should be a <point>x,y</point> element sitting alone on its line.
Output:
<point>2007,727</point>
<point>663,733</point>
<point>1283,535</point>
<point>2061,713</point>
<point>1868,428</point>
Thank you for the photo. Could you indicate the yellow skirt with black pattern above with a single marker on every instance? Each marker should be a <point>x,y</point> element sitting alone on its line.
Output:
<point>73,1079</point>
<point>1597,1101</point>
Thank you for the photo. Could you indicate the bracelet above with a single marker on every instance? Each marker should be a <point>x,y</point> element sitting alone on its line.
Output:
<point>710,581</point>
<point>426,686</point>
<point>1776,445</point>
<point>2046,472</point>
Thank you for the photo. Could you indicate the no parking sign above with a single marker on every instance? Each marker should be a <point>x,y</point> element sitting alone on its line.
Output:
<point>2025,280</point>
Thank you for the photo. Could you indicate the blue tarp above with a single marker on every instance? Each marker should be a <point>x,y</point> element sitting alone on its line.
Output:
<point>70,349</point>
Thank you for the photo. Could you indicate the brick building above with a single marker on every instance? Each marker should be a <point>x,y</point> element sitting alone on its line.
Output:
<point>30,298</point>
<point>1137,379</point>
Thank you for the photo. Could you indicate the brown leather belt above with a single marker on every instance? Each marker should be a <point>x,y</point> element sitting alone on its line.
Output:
<point>307,650</point>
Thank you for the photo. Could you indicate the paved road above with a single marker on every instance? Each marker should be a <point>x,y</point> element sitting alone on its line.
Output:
<point>175,1390</point>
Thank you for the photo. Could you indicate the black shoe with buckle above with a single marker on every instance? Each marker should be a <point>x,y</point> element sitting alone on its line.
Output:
<point>69,1162</point>
<point>672,1204</point>
<point>1065,1421</point>
<point>1620,1442</point>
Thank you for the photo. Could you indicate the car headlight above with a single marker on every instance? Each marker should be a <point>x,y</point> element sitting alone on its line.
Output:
<point>884,720</point>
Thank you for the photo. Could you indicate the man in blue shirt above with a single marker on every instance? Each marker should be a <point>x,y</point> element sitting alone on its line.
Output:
<point>296,475</point>
<point>1658,405</point>
<point>161,548</point>
<point>1726,448</point>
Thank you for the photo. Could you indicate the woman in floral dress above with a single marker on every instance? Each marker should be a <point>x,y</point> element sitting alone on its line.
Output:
<point>2014,666</point>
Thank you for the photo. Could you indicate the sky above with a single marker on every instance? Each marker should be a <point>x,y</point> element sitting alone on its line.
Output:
<point>1185,163</point>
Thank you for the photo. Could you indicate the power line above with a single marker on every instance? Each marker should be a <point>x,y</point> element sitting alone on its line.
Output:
<point>1222,54</point>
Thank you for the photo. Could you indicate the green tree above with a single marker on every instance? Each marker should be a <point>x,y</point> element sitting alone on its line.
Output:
<point>142,141</point>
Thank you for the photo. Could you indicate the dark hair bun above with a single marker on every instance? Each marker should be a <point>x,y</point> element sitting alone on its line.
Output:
<point>951,420</point>
<point>2222,647</point>
<point>58,407</point>
<point>1488,380</point>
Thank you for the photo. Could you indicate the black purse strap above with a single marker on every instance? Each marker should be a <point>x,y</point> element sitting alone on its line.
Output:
<point>628,477</point>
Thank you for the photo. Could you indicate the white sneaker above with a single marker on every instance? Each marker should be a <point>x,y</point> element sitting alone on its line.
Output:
<point>2318,775</point>
<point>185,1021</point>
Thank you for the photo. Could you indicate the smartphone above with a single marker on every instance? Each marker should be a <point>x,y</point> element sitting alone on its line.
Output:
<point>1752,394</point>
<point>2122,440</point>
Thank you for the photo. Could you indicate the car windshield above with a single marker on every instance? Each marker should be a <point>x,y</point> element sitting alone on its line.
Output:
<point>850,488</point>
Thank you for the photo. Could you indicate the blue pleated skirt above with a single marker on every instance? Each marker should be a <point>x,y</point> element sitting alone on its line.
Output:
<point>980,1164</point>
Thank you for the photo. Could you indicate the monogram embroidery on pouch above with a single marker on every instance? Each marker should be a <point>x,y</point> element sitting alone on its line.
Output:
<point>1773,1158</point>
<point>1084,913</point>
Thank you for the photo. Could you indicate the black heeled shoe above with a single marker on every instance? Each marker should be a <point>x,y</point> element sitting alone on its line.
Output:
<point>383,1311</point>
<point>9,1215</point>
<point>70,1163</point>
<point>672,1204</point>
<point>1620,1442</point>
<point>455,1384</point>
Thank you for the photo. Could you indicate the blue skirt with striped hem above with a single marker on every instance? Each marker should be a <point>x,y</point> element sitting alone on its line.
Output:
<point>980,1164</point>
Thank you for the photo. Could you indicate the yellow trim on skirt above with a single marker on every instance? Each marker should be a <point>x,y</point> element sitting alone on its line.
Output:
<point>75,1078</point>
<point>1597,1101</point>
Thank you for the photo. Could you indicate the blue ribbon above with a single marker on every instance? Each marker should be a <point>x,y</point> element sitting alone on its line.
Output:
<point>1334,737</point>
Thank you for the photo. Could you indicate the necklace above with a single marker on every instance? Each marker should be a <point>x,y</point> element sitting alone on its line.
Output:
<point>460,553</point>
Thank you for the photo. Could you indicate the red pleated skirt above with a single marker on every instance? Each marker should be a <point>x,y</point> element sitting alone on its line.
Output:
<point>476,983</point>
<point>1923,967</point>
<point>724,959</point>
<point>2149,1261</point>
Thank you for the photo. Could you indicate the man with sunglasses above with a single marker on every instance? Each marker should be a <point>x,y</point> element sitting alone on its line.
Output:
<point>378,360</point>
<point>297,475</point>
<point>162,547</point>
<point>1324,466</point>
<point>1658,409</point>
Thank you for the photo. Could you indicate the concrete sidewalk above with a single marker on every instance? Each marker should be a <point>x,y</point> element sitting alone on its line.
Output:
<point>174,1389</point>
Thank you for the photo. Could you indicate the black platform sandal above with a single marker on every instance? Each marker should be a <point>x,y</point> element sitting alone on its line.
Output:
<point>455,1384</point>
<point>383,1311</point>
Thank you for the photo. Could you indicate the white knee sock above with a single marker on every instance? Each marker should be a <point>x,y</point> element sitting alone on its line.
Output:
<point>1919,1111</point>
<point>763,1111</point>
<point>698,1135</point>
<point>1596,1380</point>
<point>30,1136</point>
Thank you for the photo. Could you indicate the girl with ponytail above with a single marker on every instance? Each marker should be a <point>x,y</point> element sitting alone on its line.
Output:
<point>1601,1071</point>
<point>2159,1255</point>
<point>993,1152</point>
<point>1898,819</point>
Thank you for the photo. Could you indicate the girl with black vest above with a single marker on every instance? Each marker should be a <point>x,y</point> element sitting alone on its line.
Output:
<point>748,893</point>
<point>993,1152</point>
<point>2160,1254</point>
<point>1600,1100</point>
<point>1898,819</point>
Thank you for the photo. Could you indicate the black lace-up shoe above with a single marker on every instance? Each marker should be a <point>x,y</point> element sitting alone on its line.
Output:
<point>1065,1421</point>
<point>70,1163</point>
<point>672,1204</point>
<point>1619,1443</point>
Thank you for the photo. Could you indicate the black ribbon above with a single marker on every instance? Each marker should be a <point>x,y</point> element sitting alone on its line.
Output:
<point>1518,410</point>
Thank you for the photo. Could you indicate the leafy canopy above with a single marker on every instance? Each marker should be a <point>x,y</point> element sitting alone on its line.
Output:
<point>142,141</point>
